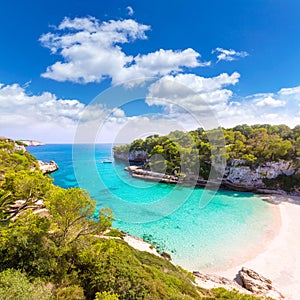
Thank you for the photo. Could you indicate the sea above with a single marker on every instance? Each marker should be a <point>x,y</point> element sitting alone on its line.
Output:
<point>200,229</point>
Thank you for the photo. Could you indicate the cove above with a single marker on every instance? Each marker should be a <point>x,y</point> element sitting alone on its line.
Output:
<point>226,231</point>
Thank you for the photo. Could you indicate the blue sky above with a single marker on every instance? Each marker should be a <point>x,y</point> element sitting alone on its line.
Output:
<point>241,58</point>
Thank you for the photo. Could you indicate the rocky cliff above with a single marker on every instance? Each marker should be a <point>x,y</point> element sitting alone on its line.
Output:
<point>46,167</point>
<point>238,175</point>
<point>32,143</point>
<point>241,177</point>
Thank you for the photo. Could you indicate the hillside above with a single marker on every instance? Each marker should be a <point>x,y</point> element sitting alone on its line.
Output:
<point>246,157</point>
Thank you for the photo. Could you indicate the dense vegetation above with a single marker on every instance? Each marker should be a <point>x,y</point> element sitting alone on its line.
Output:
<point>198,150</point>
<point>64,254</point>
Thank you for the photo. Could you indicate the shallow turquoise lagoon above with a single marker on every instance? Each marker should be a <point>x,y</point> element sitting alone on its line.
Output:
<point>169,216</point>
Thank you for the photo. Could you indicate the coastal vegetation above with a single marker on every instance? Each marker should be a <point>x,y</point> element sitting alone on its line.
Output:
<point>196,152</point>
<point>65,254</point>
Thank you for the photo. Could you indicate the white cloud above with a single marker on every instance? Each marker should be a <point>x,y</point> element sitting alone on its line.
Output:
<point>130,10</point>
<point>159,63</point>
<point>46,117</point>
<point>229,55</point>
<point>91,52</point>
<point>190,101</point>
<point>191,92</point>
<point>207,99</point>
<point>269,101</point>
<point>290,91</point>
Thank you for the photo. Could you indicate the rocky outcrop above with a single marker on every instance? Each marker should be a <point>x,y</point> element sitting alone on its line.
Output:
<point>32,143</point>
<point>47,167</point>
<point>240,174</point>
<point>258,284</point>
<point>209,281</point>
<point>137,157</point>
<point>19,147</point>
<point>141,173</point>
<point>247,282</point>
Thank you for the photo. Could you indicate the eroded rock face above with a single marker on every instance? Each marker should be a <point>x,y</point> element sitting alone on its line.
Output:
<point>238,173</point>
<point>258,284</point>
<point>47,167</point>
<point>136,155</point>
<point>209,281</point>
<point>32,143</point>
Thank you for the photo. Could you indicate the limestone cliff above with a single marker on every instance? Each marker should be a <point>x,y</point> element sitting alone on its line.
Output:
<point>47,167</point>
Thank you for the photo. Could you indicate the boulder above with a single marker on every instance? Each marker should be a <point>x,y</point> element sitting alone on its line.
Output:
<point>258,284</point>
<point>209,281</point>
<point>46,167</point>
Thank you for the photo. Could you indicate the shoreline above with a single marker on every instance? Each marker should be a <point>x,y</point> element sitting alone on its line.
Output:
<point>279,260</point>
<point>141,173</point>
<point>275,258</point>
<point>248,255</point>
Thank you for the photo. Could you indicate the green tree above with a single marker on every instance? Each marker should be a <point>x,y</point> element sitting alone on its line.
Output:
<point>27,186</point>
<point>71,213</point>
<point>15,285</point>
<point>24,244</point>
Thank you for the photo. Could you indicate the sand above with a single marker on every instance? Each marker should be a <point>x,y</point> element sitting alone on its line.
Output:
<point>140,245</point>
<point>280,261</point>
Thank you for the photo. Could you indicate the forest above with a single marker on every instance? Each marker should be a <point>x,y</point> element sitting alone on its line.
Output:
<point>199,150</point>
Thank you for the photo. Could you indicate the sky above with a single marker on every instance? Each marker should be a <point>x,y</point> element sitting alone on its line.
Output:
<point>81,71</point>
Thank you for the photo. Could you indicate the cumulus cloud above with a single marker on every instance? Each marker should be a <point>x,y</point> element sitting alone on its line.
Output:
<point>211,100</point>
<point>91,52</point>
<point>45,116</point>
<point>191,92</point>
<point>189,101</point>
<point>229,55</point>
<point>269,101</point>
<point>130,10</point>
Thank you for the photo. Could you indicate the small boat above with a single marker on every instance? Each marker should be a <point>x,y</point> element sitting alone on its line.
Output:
<point>106,161</point>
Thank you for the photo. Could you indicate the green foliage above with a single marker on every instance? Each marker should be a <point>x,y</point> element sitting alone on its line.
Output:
<point>113,266</point>
<point>15,160</point>
<point>198,151</point>
<point>64,255</point>
<point>24,245</point>
<point>71,211</point>
<point>71,292</point>
<point>28,186</point>
<point>16,285</point>
<point>106,296</point>
<point>115,233</point>
<point>221,293</point>
<point>283,182</point>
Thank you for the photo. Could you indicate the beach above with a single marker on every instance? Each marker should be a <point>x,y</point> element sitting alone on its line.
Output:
<point>280,260</point>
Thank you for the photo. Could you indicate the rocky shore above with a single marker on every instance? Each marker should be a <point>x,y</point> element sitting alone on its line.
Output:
<point>47,167</point>
<point>32,143</point>
<point>226,183</point>
<point>246,281</point>
<point>238,175</point>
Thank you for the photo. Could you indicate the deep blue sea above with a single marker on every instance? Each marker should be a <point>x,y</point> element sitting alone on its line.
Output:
<point>171,217</point>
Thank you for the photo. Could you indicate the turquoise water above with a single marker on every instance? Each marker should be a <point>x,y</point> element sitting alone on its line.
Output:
<point>169,216</point>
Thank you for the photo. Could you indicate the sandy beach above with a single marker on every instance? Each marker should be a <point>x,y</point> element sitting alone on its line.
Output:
<point>280,261</point>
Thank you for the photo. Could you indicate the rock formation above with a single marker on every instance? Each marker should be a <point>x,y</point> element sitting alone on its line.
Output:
<point>47,167</point>
<point>250,283</point>
<point>258,285</point>
<point>239,173</point>
<point>32,143</point>
<point>209,281</point>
